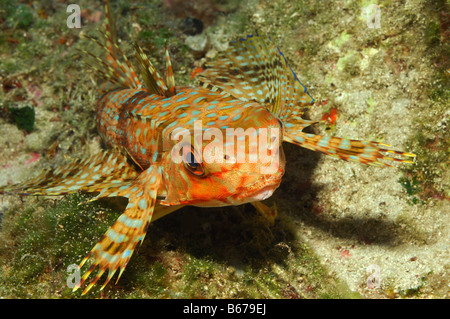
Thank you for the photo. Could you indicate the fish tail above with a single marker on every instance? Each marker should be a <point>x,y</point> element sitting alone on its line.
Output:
<point>365,152</point>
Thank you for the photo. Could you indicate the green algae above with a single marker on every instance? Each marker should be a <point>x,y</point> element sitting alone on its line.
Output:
<point>411,187</point>
<point>48,237</point>
<point>349,63</point>
<point>432,138</point>
<point>18,15</point>
<point>24,117</point>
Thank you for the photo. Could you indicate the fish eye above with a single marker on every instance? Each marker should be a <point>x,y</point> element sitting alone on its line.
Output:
<point>192,162</point>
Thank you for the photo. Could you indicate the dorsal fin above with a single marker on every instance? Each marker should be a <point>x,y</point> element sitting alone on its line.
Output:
<point>110,27</point>
<point>253,68</point>
<point>153,81</point>
<point>112,70</point>
<point>123,74</point>
<point>170,80</point>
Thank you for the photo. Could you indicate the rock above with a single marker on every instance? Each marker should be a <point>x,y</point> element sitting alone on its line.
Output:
<point>198,44</point>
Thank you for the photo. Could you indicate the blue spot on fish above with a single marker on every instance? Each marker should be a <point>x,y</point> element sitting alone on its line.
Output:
<point>142,203</point>
<point>345,144</point>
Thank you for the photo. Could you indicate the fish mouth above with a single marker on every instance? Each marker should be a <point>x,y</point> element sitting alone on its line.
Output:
<point>264,192</point>
<point>261,193</point>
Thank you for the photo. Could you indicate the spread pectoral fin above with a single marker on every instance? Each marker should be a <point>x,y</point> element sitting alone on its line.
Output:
<point>115,248</point>
<point>93,174</point>
<point>365,152</point>
<point>254,69</point>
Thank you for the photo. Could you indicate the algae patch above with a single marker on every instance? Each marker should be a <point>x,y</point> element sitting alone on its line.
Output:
<point>48,236</point>
<point>24,117</point>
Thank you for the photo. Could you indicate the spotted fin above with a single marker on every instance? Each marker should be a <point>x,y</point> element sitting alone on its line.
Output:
<point>154,83</point>
<point>170,80</point>
<point>94,174</point>
<point>350,150</point>
<point>253,68</point>
<point>112,69</point>
<point>123,75</point>
<point>115,248</point>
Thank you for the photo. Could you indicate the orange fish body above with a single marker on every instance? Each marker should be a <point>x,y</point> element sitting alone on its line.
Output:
<point>142,124</point>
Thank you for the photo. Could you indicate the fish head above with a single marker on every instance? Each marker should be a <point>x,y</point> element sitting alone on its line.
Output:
<point>225,161</point>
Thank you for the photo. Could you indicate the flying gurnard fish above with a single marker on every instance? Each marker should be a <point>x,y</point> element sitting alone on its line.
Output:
<point>250,87</point>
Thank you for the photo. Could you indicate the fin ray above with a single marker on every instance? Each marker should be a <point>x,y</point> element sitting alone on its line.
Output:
<point>93,174</point>
<point>153,81</point>
<point>365,152</point>
<point>117,245</point>
<point>255,69</point>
